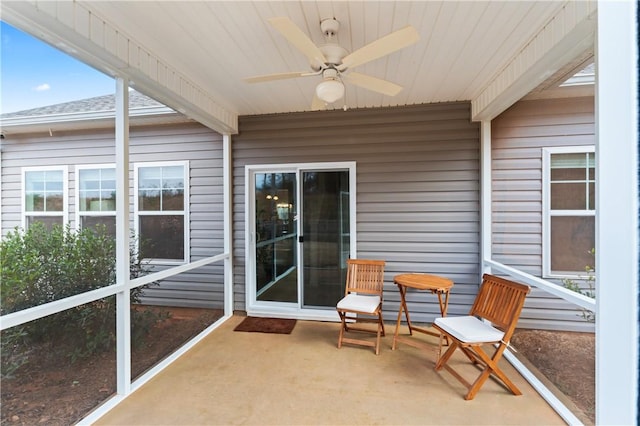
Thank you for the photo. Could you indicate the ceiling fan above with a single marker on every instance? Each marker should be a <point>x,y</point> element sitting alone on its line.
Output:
<point>334,63</point>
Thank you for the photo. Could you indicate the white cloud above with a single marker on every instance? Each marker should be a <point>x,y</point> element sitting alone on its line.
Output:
<point>42,88</point>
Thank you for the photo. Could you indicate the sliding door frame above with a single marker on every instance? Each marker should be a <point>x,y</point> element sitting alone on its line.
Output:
<point>283,309</point>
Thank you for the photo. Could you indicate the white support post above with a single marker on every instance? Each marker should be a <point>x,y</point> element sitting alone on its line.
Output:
<point>123,302</point>
<point>485,195</point>
<point>617,213</point>
<point>1,168</point>
<point>227,173</point>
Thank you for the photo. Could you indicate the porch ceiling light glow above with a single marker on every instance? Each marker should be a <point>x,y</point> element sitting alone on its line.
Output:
<point>330,90</point>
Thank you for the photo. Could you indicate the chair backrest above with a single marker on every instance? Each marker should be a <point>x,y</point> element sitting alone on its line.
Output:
<point>500,301</point>
<point>365,276</point>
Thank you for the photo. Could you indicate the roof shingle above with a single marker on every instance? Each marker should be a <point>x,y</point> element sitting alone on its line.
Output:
<point>95,104</point>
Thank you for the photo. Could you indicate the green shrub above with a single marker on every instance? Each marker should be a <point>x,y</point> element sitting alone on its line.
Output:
<point>590,290</point>
<point>41,265</point>
<point>14,352</point>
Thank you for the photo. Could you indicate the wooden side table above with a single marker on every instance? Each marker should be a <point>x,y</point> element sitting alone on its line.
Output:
<point>433,283</point>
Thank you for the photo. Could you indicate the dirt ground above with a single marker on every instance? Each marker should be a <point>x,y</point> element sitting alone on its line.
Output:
<point>50,392</point>
<point>567,360</point>
<point>54,393</point>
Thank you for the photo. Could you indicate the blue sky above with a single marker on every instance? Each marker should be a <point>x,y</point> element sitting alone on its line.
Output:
<point>34,74</point>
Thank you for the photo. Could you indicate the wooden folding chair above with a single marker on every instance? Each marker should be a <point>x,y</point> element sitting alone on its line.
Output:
<point>362,301</point>
<point>500,302</point>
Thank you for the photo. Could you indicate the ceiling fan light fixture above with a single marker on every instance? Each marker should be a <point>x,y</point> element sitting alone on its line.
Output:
<point>330,90</point>
<point>332,60</point>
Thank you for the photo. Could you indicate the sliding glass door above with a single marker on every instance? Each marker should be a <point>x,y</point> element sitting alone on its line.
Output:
<point>276,232</point>
<point>326,237</point>
<point>301,235</point>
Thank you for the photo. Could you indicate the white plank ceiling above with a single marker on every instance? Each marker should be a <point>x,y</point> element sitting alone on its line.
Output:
<point>462,46</point>
<point>194,56</point>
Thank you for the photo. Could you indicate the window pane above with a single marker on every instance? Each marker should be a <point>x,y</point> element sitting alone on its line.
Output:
<point>92,222</point>
<point>162,237</point>
<point>161,188</point>
<point>149,200</point>
<point>108,175</point>
<point>34,181</point>
<point>102,205</point>
<point>172,173</point>
<point>173,199</point>
<point>568,196</point>
<point>572,238</point>
<point>172,183</point>
<point>89,200</point>
<point>34,202</point>
<point>44,191</point>
<point>108,203</point>
<point>149,178</point>
<point>53,178</point>
<point>89,179</point>
<point>572,181</point>
<point>569,161</point>
<point>109,185</point>
<point>48,221</point>
<point>97,190</point>
<point>54,202</point>
<point>172,188</point>
<point>568,174</point>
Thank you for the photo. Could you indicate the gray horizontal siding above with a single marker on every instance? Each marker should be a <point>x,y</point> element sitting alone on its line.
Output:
<point>197,144</point>
<point>202,288</point>
<point>417,188</point>
<point>518,137</point>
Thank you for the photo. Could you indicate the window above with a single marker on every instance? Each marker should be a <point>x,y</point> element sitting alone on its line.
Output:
<point>96,197</point>
<point>44,196</point>
<point>569,210</point>
<point>161,211</point>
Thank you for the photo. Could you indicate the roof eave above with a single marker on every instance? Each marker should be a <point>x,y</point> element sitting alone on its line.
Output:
<point>86,120</point>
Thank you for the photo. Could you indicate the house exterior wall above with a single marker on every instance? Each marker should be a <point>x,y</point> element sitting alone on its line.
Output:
<point>417,189</point>
<point>518,138</point>
<point>199,145</point>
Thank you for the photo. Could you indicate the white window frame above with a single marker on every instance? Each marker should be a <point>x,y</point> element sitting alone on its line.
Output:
<point>79,214</point>
<point>65,194</point>
<point>546,206</point>
<point>184,212</point>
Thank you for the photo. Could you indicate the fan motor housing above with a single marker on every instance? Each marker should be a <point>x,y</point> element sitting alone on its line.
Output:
<point>329,27</point>
<point>333,53</point>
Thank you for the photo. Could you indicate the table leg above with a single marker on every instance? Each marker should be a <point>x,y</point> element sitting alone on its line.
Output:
<point>403,306</point>
<point>444,305</point>
<point>406,312</point>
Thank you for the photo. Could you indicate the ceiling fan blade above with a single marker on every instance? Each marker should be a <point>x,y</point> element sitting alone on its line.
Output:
<point>317,104</point>
<point>278,76</point>
<point>372,83</point>
<point>299,39</point>
<point>383,46</point>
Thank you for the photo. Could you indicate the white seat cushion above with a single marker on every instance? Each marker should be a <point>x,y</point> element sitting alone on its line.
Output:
<point>469,329</point>
<point>359,302</point>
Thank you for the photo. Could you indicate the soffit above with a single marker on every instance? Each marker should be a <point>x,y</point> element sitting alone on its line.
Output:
<point>463,46</point>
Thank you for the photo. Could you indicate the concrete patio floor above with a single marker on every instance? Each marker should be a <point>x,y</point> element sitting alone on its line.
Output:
<point>303,379</point>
